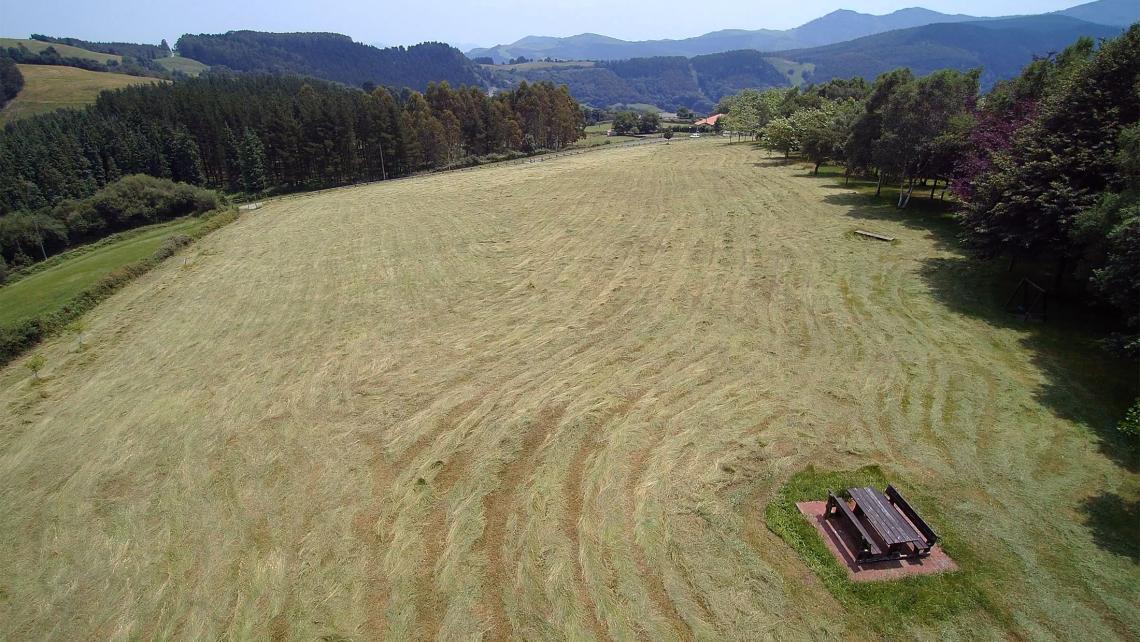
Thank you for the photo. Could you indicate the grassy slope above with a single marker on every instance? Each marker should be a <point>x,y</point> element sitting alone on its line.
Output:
<point>188,66</point>
<point>798,69</point>
<point>51,288</point>
<point>557,407</point>
<point>51,87</point>
<point>67,51</point>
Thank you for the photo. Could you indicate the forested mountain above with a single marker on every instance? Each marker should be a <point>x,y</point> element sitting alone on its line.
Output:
<point>836,26</point>
<point>669,82</point>
<point>999,47</point>
<point>1118,13</point>
<point>331,56</point>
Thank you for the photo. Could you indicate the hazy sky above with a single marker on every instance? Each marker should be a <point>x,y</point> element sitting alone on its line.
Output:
<point>483,22</point>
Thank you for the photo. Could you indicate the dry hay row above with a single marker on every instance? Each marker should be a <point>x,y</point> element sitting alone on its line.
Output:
<point>510,354</point>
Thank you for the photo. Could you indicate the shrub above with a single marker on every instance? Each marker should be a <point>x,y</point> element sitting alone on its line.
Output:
<point>35,364</point>
<point>171,246</point>
<point>131,202</point>
<point>76,328</point>
<point>1130,425</point>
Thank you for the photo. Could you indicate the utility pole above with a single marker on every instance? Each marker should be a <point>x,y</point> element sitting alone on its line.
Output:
<point>383,170</point>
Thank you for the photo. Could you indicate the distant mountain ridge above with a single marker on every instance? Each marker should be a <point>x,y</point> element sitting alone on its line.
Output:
<point>999,47</point>
<point>838,26</point>
<point>834,27</point>
<point>1116,13</point>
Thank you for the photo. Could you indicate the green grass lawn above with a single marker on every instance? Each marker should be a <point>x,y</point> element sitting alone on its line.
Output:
<point>51,288</point>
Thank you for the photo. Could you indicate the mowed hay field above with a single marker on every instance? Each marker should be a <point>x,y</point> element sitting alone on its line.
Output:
<point>543,401</point>
<point>51,87</point>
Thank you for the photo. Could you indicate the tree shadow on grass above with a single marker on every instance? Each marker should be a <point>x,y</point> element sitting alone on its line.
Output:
<point>777,162</point>
<point>1113,522</point>
<point>938,224</point>
<point>1083,382</point>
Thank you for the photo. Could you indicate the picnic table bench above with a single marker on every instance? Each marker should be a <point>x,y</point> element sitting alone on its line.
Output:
<point>884,526</point>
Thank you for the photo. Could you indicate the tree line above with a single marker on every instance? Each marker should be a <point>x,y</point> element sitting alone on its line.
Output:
<point>249,133</point>
<point>1044,167</point>
<point>632,122</point>
<point>11,80</point>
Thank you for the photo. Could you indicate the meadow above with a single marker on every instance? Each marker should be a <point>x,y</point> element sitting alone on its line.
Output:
<point>51,87</point>
<point>562,400</point>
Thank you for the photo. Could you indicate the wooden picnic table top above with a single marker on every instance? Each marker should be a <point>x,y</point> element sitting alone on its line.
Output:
<point>884,519</point>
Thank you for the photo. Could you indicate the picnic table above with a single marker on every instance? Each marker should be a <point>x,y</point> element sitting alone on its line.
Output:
<point>884,526</point>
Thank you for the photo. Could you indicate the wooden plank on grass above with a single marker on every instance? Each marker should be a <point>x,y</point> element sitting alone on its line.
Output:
<point>873,235</point>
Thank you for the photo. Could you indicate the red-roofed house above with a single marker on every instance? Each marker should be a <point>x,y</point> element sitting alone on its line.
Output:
<point>710,121</point>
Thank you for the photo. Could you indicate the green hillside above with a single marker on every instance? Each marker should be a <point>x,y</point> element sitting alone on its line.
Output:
<point>66,51</point>
<point>188,66</point>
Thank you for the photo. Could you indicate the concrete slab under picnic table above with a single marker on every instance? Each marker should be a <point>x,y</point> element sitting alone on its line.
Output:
<point>844,548</point>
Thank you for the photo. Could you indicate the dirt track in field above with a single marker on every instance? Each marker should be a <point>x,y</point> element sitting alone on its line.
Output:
<point>536,401</point>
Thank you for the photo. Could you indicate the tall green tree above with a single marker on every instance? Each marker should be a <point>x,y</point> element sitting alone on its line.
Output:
<point>251,156</point>
<point>625,122</point>
<point>1061,162</point>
